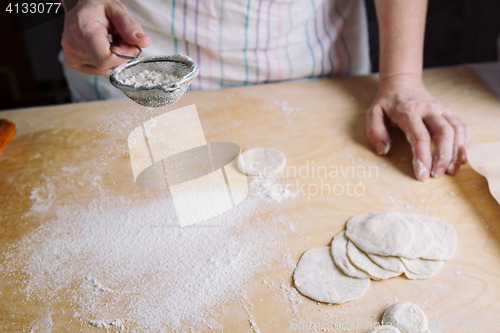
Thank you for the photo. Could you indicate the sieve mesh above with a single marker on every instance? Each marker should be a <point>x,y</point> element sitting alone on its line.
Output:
<point>178,66</point>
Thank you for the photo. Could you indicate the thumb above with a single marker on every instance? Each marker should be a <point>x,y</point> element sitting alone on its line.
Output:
<point>126,26</point>
<point>377,131</point>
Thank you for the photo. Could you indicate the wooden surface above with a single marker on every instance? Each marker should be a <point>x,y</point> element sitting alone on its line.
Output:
<point>321,121</point>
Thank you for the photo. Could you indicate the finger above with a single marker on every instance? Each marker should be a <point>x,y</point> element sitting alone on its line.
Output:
<point>127,27</point>
<point>444,137</point>
<point>73,59</point>
<point>96,46</point>
<point>458,155</point>
<point>468,134</point>
<point>377,131</point>
<point>462,155</point>
<point>467,131</point>
<point>420,141</point>
<point>468,139</point>
<point>83,64</point>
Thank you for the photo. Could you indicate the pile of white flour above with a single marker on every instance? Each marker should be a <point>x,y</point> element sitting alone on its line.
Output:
<point>123,263</point>
<point>127,256</point>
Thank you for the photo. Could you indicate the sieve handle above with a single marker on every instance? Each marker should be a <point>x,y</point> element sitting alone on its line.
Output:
<point>124,56</point>
<point>111,39</point>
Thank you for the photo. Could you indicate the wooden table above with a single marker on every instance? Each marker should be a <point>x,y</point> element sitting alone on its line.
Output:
<point>321,121</point>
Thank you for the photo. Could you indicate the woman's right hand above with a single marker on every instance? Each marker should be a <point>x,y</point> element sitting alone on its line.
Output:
<point>85,36</point>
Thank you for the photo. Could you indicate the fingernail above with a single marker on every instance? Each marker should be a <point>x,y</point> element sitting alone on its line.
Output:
<point>420,170</point>
<point>451,168</point>
<point>140,34</point>
<point>454,167</point>
<point>382,148</point>
<point>387,147</point>
<point>436,173</point>
<point>434,169</point>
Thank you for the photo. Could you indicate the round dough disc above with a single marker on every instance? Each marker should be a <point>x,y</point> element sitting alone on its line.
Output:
<point>412,276</point>
<point>422,266</point>
<point>422,240</point>
<point>388,263</point>
<point>317,277</point>
<point>339,255</point>
<point>261,161</point>
<point>383,233</point>
<point>407,317</point>
<point>444,243</point>
<point>361,261</point>
<point>384,329</point>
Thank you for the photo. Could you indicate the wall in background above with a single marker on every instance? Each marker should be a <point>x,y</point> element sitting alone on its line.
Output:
<point>457,32</point>
<point>30,74</point>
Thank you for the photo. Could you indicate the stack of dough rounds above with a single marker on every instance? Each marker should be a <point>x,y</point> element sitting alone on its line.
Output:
<point>375,246</point>
<point>388,244</point>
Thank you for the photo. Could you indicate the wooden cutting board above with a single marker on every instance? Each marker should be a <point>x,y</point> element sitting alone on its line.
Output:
<point>319,123</point>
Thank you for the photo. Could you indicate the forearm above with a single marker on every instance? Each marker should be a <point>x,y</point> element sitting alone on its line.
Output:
<point>401,30</point>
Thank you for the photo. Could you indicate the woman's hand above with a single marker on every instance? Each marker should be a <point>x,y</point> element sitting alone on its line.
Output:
<point>404,101</point>
<point>85,36</point>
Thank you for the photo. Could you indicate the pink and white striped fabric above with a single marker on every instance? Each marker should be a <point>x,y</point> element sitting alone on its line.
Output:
<point>241,42</point>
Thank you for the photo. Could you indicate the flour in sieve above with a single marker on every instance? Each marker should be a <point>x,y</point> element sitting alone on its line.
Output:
<point>148,78</point>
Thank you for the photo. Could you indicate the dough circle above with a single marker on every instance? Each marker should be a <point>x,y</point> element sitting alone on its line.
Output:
<point>422,240</point>
<point>361,261</point>
<point>412,276</point>
<point>407,317</point>
<point>261,161</point>
<point>389,263</point>
<point>383,233</point>
<point>422,266</point>
<point>384,329</point>
<point>339,255</point>
<point>444,243</point>
<point>317,277</point>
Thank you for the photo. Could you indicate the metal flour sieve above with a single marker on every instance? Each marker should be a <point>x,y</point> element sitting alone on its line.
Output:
<point>179,66</point>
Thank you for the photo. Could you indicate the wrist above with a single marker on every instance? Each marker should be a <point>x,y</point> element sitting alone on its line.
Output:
<point>400,76</point>
<point>400,80</point>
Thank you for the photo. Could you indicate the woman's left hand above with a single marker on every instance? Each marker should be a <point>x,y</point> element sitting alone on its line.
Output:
<point>404,101</point>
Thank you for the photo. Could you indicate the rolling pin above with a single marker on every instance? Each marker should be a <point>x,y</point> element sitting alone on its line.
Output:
<point>7,131</point>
